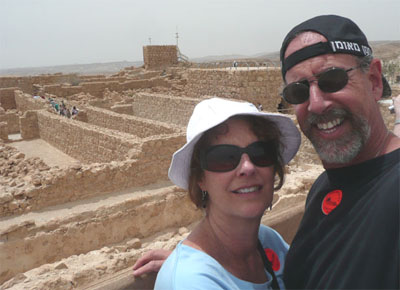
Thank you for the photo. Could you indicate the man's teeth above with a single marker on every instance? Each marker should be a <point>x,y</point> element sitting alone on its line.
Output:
<point>330,124</point>
<point>247,190</point>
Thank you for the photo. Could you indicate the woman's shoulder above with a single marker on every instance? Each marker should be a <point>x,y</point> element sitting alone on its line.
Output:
<point>275,249</point>
<point>270,238</point>
<point>189,268</point>
<point>266,230</point>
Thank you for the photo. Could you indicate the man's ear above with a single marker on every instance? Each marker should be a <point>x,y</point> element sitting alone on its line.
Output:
<point>375,77</point>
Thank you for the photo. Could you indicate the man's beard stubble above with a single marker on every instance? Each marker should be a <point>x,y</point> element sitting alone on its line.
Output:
<point>345,148</point>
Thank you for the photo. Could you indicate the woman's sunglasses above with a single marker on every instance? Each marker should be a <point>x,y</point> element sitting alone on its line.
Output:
<point>329,81</point>
<point>226,157</point>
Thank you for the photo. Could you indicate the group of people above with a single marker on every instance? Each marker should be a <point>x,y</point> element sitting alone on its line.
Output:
<point>234,160</point>
<point>62,108</point>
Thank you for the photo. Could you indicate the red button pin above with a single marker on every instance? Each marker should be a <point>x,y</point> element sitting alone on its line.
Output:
<point>331,201</point>
<point>273,258</point>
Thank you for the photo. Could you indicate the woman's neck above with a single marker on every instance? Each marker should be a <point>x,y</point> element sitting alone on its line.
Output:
<point>238,236</point>
<point>233,244</point>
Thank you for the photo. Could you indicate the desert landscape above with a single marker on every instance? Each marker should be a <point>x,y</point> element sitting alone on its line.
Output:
<point>84,194</point>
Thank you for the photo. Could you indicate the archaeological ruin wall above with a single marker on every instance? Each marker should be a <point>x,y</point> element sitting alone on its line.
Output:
<point>86,142</point>
<point>256,85</point>
<point>173,110</point>
<point>97,89</point>
<point>81,181</point>
<point>144,149</point>
<point>7,99</point>
<point>28,123</point>
<point>66,85</point>
<point>11,121</point>
<point>25,102</point>
<point>133,125</point>
<point>34,243</point>
<point>159,56</point>
<point>27,83</point>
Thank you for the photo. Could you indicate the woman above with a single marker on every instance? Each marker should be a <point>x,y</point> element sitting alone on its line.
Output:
<point>229,164</point>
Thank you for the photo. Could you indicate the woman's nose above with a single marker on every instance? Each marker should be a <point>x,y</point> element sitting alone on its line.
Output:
<point>246,166</point>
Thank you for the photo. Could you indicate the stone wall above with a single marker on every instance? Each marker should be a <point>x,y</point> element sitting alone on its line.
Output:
<point>159,56</point>
<point>128,124</point>
<point>106,136</point>
<point>7,99</point>
<point>62,90</point>
<point>86,142</point>
<point>81,181</point>
<point>30,245</point>
<point>145,75</point>
<point>3,131</point>
<point>256,85</point>
<point>67,85</point>
<point>12,120</point>
<point>173,110</point>
<point>25,102</point>
<point>29,125</point>
<point>122,109</point>
<point>98,88</point>
<point>26,83</point>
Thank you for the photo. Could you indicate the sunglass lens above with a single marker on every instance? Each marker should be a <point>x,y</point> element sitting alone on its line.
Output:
<point>261,154</point>
<point>333,80</point>
<point>296,93</point>
<point>222,158</point>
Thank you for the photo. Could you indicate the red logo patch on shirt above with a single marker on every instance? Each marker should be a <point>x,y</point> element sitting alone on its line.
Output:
<point>273,258</point>
<point>331,201</point>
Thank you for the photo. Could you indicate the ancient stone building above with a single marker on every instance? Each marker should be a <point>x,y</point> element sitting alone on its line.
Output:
<point>159,56</point>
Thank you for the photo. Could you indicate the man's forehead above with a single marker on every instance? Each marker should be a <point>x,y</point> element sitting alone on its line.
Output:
<point>304,39</point>
<point>319,64</point>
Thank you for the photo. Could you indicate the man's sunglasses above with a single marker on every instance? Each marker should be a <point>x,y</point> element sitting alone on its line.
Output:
<point>329,81</point>
<point>226,157</point>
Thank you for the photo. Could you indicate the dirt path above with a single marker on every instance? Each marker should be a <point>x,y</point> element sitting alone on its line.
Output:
<point>49,154</point>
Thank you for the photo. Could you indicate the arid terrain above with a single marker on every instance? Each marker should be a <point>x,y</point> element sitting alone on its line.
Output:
<point>83,195</point>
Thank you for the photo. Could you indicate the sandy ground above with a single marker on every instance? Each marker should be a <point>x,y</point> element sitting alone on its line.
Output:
<point>49,154</point>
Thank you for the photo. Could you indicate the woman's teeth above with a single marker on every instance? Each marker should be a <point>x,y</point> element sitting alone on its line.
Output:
<point>247,189</point>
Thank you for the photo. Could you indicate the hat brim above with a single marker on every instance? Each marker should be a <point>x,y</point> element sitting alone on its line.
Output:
<point>290,137</point>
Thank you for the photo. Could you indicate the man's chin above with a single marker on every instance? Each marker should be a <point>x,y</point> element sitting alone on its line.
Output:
<point>337,151</point>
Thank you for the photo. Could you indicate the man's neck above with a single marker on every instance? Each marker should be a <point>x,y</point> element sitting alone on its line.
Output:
<point>388,143</point>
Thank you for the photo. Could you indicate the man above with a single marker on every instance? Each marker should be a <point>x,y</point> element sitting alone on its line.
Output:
<point>349,234</point>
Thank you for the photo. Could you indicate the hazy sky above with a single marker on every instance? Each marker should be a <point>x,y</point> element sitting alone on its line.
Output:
<point>56,32</point>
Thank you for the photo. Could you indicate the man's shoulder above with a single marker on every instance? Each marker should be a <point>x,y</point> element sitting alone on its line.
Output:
<point>318,184</point>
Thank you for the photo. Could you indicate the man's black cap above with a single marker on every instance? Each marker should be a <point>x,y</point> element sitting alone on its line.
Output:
<point>343,35</point>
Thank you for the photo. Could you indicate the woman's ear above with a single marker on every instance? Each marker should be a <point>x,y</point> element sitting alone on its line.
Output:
<point>200,184</point>
<point>375,78</point>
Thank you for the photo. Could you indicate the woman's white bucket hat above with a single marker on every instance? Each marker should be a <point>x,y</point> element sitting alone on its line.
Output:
<point>212,112</point>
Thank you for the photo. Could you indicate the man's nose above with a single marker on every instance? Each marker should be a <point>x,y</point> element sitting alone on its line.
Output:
<point>317,102</point>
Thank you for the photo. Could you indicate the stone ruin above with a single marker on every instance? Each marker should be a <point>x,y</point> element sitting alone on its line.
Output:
<point>82,198</point>
<point>160,56</point>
